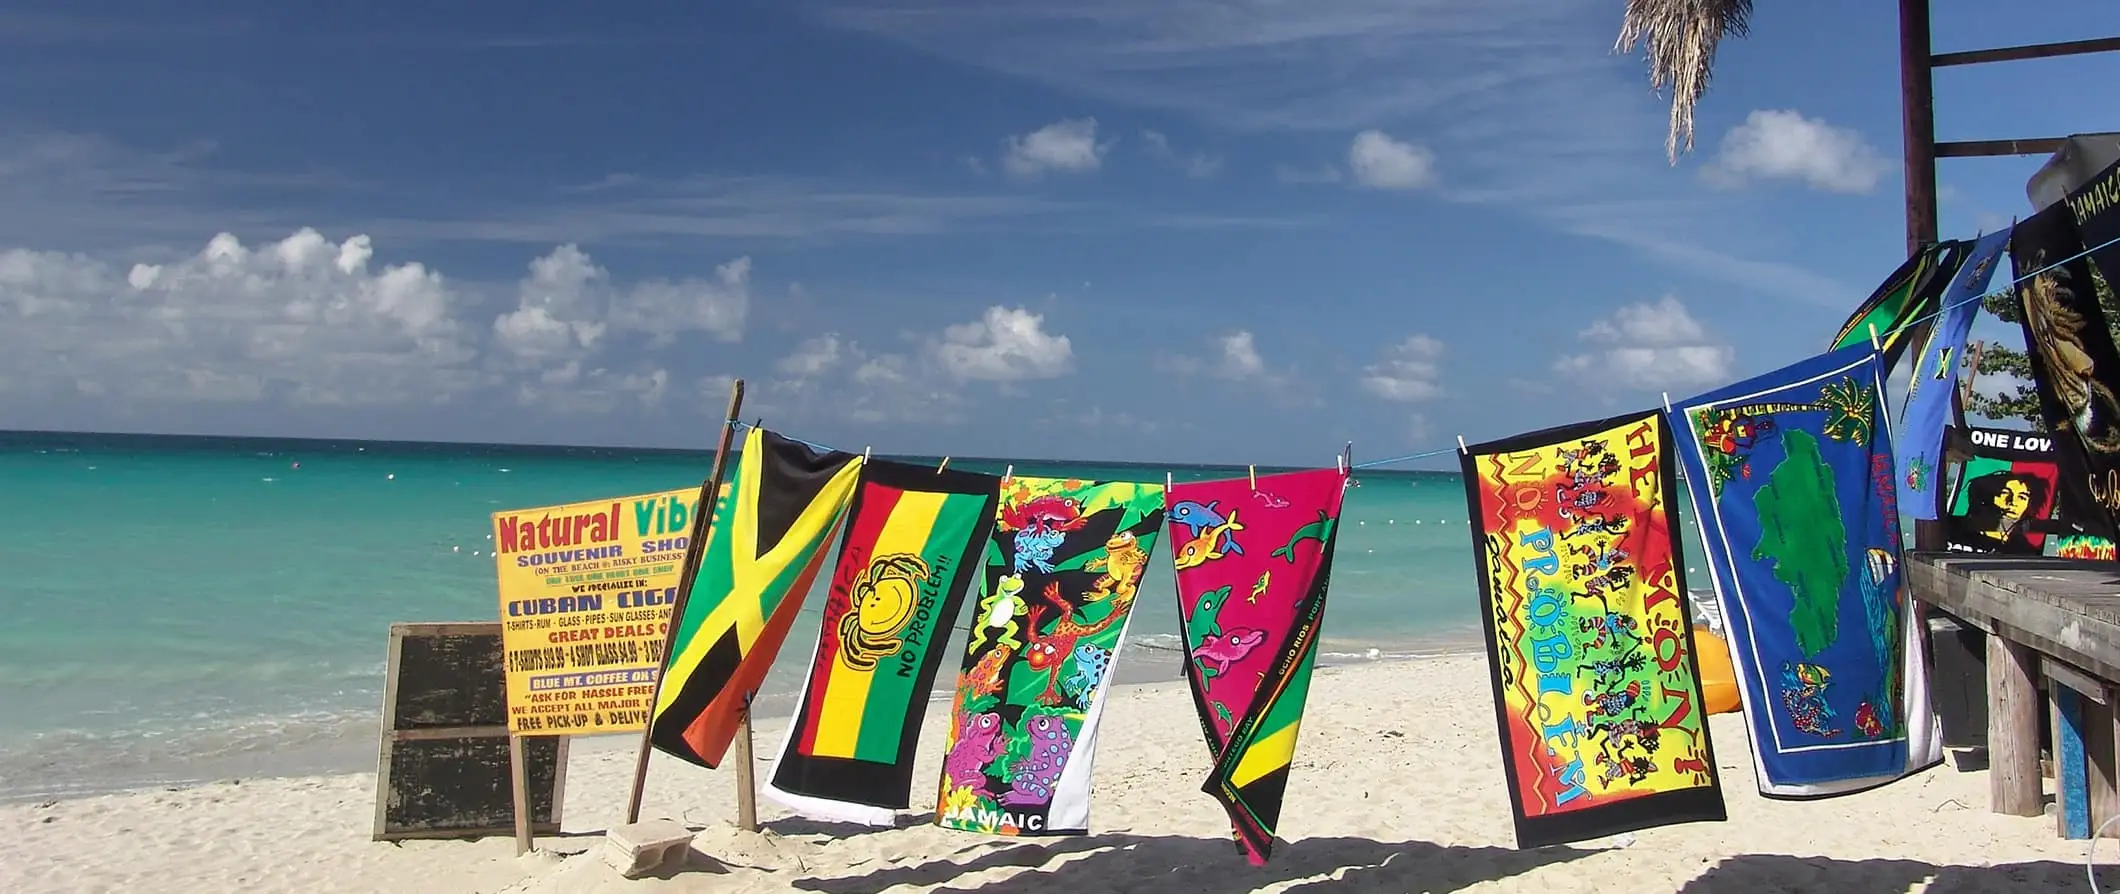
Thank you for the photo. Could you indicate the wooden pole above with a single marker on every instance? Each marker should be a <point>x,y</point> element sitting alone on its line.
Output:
<point>1917,112</point>
<point>746,774</point>
<point>695,550</point>
<point>519,779</point>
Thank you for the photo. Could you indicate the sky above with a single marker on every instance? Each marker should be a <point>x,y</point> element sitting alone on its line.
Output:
<point>1155,230</point>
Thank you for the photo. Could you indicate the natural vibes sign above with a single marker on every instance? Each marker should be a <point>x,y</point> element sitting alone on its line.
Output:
<point>585,595</point>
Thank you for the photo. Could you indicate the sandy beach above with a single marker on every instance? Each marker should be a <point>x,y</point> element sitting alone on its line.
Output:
<point>1397,788</point>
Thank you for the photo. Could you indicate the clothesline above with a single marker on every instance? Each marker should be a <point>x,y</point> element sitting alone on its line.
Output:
<point>1453,448</point>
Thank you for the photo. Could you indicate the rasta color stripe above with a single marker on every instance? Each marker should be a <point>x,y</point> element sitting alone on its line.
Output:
<point>914,537</point>
<point>860,713</point>
<point>767,543</point>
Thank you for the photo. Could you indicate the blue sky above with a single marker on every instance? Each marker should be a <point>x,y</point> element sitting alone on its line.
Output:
<point>1175,230</point>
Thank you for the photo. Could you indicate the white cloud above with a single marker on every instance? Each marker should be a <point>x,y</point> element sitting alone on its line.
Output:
<point>1652,345</point>
<point>813,356</point>
<point>1197,165</point>
<point>1068,145</point>
<point>1235,357</point>
<point>567,304</point>
<point>305,321</point>
<point>1781,144</point>
<point>1408,372</point>
<point>1005,345</point>
<point>1380,162</point>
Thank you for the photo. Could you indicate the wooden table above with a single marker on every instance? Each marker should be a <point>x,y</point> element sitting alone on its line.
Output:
<point>2052,624</point>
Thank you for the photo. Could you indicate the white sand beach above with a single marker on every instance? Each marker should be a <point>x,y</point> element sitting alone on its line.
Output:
<point>1396,787</point>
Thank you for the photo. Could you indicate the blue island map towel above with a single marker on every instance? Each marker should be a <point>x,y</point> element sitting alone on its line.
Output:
<point>1791,476</point>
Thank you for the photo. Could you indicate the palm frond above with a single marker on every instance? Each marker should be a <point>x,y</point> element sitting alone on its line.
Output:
<point>1681,37</point>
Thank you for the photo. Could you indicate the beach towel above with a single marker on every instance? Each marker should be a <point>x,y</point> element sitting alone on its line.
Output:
<point>1062,570</point>
<point>1791,478</point>
<point>1911,293</point>
<point>2095,207</point>
<point>1252,558</point>
<point>914,538</point>
<point>2004,490</point>
<point>1589,638</point>
<point>1932,388</point>
<point>2083,546</point>
<point>2074,365</point>
<point>778,512</point>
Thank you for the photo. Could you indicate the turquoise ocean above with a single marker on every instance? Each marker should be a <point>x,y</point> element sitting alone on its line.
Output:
<point>180,609</point>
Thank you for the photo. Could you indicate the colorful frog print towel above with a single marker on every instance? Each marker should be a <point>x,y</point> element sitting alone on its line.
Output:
<point>1062,570</point>
<point>1252,556</point>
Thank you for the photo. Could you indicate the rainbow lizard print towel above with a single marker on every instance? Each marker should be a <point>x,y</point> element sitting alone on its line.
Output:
<point>1791,476</point>
<point>1062,570</point>
<point>1252,558</point>
<point>913,543</point>
<point>1589,636</point>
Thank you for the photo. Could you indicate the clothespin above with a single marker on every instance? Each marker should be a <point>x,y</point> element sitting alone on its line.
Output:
<point>1461,445</point>
<point>1166,481</point>
<point>864,455</point>
<point>1874,344</point>
<point>945,465</point>
<point>1667,401</point>
<point>1006,474</point>
<point>1253,473</point>
<point>1339,461</point>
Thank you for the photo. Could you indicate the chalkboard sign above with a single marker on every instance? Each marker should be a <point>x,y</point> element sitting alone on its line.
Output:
<point>444,770</point>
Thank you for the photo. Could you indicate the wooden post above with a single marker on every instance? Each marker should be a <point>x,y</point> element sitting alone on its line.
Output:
<point>2013,729</point>
<point>1917,93</point>
<point>695,549</point>
<point>519,773</point>
<point>746,775</point>
<point>2072,808</point>
<point>2104,760</point>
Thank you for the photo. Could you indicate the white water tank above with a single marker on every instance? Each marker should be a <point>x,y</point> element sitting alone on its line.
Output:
<point>2081,157</point>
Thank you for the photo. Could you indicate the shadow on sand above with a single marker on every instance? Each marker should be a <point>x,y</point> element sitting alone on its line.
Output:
<point>1754,873</point>
<point>1172,863</point>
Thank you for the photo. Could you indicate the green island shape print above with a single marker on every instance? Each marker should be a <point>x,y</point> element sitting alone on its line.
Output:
<point>1801,531</point>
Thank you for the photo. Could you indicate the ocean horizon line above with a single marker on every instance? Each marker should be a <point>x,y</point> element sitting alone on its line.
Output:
<point>80,439</point>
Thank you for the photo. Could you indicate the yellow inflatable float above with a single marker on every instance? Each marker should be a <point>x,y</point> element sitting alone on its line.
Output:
<point>1718,679</point>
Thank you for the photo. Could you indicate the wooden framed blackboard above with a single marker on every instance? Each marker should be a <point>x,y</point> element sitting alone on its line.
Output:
<point>444,771</point>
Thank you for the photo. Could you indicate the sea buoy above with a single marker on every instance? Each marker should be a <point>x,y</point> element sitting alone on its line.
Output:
<point>390,477</point>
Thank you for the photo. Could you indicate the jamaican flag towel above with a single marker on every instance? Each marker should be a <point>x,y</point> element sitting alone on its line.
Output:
<point>1252,558</point>
<point>1062,569</point>
<point>913,541</point>
<point>1910,294</point>
<point>769,532</point>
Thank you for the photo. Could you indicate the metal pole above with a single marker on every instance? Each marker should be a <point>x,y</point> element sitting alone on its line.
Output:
<point>1917,105</point>
<point>695,550</point>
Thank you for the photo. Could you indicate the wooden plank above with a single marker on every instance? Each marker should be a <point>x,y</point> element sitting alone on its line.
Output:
<point>446,732</point>
<point>2059,607</point>
<point>2072,807</point>
<point>447,763</point>
<point>2082,683</point>
<point>2031,51</point>
<point>2013,730</point>
<point>1995,148</point>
